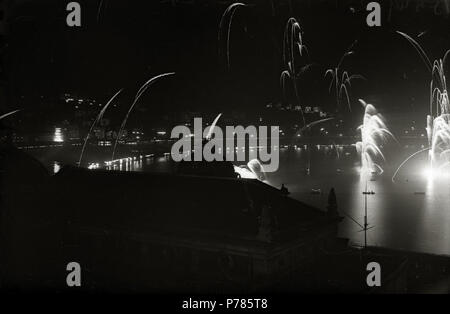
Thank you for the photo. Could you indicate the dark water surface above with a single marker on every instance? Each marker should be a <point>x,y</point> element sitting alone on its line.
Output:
<point>411,213</point>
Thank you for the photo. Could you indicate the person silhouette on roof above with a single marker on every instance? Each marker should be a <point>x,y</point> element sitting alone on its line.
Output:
<point>284,190</point>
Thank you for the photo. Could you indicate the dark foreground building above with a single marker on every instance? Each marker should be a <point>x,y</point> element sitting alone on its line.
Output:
<point>148,232</point>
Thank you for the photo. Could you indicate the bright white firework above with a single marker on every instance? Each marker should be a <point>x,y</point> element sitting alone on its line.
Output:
<point>438,121</point>
<point>294,47</point>
<point>373,134</point>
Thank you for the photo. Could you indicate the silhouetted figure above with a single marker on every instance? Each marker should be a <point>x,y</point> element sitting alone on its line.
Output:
<point>332,203</point>
<point>284,190</point>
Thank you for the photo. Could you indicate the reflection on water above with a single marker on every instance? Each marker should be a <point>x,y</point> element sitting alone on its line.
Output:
<point>56,167</point>
<point>411,213</point>
<point>142,163</point>
<point>58,136</point>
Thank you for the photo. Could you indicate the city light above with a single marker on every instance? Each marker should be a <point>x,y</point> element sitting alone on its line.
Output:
<point>58,136</point>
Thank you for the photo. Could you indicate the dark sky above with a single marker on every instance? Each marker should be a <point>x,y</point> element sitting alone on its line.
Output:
<point>134,40</point>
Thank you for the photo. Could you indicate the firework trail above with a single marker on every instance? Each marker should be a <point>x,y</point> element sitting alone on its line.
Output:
<point>8,114</point>
<point>406,160</point>
<point>293,46</point>
<point>418,48</point>
<point>292,43</point>
<point>213,125</point>
<point>99,117</point>
<point>227,18</point>
<point>141,90</point>
<point>100,7</point>
<point>342,81</point>
<point>310,125</point>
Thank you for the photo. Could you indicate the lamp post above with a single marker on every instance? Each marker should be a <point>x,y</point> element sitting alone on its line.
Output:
<point>365,193</point>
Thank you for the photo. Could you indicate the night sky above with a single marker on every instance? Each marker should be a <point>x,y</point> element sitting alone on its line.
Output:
<point>125,44</point>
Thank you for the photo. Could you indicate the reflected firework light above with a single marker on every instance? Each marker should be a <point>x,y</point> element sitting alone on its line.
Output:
<point>58,136</point>
<point>56,167</point>
<point>257,169</point>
